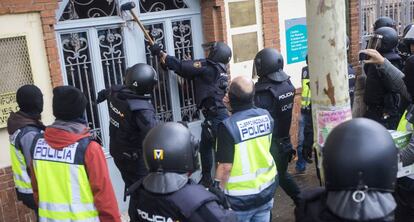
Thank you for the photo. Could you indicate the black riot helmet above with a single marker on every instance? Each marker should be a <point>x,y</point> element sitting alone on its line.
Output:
<point>269,62</point>
<point>409,35</point>
<point>141,78</point>
<point>384,22</point>
<point>360,154</point>
<point>218,52</point>
<point>170,147</point>
<point>389,39</point>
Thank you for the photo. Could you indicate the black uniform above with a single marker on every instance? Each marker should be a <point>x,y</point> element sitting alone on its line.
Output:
<point>177,206</point>
<point>383,105</point>
<point>313,208</point>
<point>210,79</point>
<point>351,82</point>
<point>278,98</point>
<point>131,117</point>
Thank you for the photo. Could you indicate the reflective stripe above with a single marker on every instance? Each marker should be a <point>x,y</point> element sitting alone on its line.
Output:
<point>96,219</point>
<point>21,177</point>
<point>74,184</point>
<point>79,207</point>
<point>249,191</point>
<point>251,176</point>
<point>244,158</point>
<point>306,93</point>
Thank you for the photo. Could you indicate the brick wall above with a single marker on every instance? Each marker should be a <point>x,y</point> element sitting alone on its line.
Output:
<point>214,20</point>
<point>12,210</point>
<point>270,18</point>
<point>354,30</point>
<point>46,8</point>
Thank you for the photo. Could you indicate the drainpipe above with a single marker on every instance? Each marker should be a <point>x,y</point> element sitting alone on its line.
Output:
<point>328,69</point>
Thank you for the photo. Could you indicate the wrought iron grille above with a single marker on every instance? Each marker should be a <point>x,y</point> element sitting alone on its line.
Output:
<point>402,11</point>
<point>161,94</point>
<point>82,9</point>
<point>183,49</point>
<point>78,67</point>
<point>156,5</point>
<point>112,56</point>
<point>15,69</point>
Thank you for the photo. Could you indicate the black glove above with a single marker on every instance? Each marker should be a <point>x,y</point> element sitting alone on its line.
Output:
<point>156,49</point>
<point>222,198</point>
<point>102,96</point>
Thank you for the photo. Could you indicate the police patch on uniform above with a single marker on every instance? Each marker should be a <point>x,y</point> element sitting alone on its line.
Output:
<point>197,64</point>
<point>158,154</point>
<point>254,127</point>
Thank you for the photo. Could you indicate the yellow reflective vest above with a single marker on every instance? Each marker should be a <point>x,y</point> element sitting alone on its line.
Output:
<point>404,125</point>
<point>19,167</point>
<point>63,186</point>
<point>253,166</point>
<point>306,92</point>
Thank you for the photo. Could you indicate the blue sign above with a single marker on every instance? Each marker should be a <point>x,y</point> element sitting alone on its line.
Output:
<point>296,40</point>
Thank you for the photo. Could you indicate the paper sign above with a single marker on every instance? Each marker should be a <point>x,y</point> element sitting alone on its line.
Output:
<point>327,120</point>
<point>8,104</point>
<point>296,40</point>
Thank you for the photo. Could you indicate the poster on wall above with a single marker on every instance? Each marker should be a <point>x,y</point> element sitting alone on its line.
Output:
<point>8,104</point>
<point>296,40</point>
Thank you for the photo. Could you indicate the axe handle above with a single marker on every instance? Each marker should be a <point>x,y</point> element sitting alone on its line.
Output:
<point>147,36</point>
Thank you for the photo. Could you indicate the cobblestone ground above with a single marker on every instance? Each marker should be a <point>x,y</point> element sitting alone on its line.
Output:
<point>284,207</point>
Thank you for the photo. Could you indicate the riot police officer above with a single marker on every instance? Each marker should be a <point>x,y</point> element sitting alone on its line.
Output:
<point>166,193</point>
<point>275,93</point>
<point>131,117</point>
<point>383,104</point>
<point>384,21</point>
<point>406,44</point>
<point>360,176</point>
<point>210,79</point>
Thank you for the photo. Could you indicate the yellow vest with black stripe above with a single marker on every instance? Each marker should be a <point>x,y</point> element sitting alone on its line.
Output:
<point>20,170</point>
<point>253,166</point>
<point>306,92</point>
<point>63,186</point>
<point>404,125</point>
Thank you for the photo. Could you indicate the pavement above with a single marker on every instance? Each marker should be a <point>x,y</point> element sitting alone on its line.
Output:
<point>283,206</point>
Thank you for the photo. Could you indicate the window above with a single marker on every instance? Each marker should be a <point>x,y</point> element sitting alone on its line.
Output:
<point>15,72</point>
<point>155,6</point>
<point>83,9</point>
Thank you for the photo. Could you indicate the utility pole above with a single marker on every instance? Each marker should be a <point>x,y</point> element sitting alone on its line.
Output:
<point>328,69</point>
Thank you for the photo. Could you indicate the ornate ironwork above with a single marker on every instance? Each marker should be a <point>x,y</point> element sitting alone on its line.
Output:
<point>183,48</point>
<point>112,55</point>
<point>156,5</point>
<point>79,73</point>
<point>82,9</point>
<point>161,94</point>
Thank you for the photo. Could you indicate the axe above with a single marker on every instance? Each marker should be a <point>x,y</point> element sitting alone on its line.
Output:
<point>128,7</point>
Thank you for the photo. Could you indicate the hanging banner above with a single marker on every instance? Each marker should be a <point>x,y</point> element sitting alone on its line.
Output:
<point>296,40</point>
<point>8,104</point>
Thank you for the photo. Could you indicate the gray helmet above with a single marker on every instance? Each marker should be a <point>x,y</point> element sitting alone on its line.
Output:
<point>384,22</point>
<point>360,154</point>
<point>218,52</point>
<point>141,78</point>
<point>269,62</point>
<point>389,39</point>
<point>170,147</point>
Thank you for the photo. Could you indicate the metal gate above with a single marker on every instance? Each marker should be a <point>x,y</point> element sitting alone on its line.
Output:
<point>402,11</point>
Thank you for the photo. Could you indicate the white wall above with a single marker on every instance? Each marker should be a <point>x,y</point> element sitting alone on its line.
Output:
<point>30,26</point>
<point>289,9</point>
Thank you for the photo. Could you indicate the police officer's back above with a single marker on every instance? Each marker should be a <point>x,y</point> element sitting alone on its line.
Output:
<point>166,193</point>
<point>360,175</point>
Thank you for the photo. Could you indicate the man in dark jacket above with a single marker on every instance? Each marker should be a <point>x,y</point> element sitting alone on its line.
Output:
<point>166,193</point>
<point>23,127</point>
<point>132,115</point>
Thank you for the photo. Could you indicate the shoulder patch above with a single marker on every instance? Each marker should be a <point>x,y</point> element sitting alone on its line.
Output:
<point>197,64</point>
